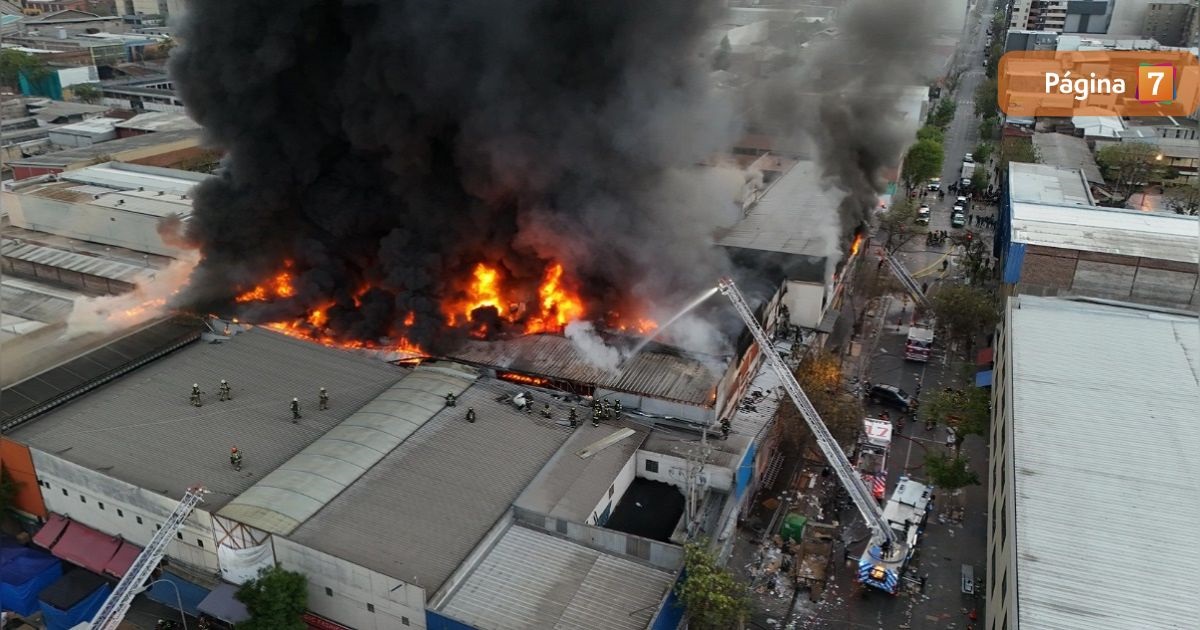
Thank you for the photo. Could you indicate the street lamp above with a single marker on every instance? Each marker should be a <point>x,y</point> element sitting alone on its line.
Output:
<point>178,598</point>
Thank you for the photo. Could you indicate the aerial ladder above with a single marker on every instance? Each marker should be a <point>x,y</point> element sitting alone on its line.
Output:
<point>888,552</point>
<point>117,605</point>
<point>910,284</point>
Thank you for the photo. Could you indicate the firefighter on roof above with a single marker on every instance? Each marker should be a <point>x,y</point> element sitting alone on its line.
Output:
<point>471,414</point>
<point>235,457</point>
<point>223,391</point>
<point>573,418</point>
<point>196,402</point>
<point>323,399</point>
<point>295,409</point>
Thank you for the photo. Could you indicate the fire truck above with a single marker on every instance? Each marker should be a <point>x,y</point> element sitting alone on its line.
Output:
<point>919,344</point>
<point>871,461</point>
<point>906,512</point>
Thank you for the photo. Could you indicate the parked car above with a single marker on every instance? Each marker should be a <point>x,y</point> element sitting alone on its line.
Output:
<point>934,184</point>
<point>958,219</point>
<point>923,215</point>
<point>969,158</point>
<point>962,202</point>
<point>890,396</point>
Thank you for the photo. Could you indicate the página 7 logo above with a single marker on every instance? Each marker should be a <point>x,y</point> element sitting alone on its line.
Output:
<point>1083,87</point>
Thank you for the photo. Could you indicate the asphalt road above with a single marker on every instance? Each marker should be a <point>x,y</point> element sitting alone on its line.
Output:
<point>947,545</point>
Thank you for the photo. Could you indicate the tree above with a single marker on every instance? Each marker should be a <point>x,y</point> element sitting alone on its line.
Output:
<point>929,132</point>
<point>964,312</point>
<point>1017,150</point>
<point>983,151</point>
<point>943,114</point>
<point>14,63</point>
<point>988,127</point>
<point>276,600</point>
<point>968,412</point>
<point>979,179</point>
<point>923,161</point>
<point>87,92</point>
<point>1183,198</point>
<point>899,224</point>
<point>986,99</point>
<point>820,376</point>
<point>1129,165</point>
<point>722,57</point>
<point>949,473</point>
<point>710,594</point>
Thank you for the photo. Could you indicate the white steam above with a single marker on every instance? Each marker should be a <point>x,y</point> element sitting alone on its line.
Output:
<point>591,347</point>
<point>147,301</point>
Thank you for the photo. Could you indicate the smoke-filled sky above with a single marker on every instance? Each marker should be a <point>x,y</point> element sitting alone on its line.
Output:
<point>396,144</point>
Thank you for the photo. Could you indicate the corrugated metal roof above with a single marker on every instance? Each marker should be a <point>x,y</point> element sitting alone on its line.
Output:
<point>159,121</point>
<point>141,429</point>
<point>569,487</point>
<point>306,483</point>
<point>418,513</point>
<point>651,373</point>
<point>1154,235</point>
<point>1105,401</point>
<point>796,215</point>
<point>534,580</point>
<point>70,157</point>
<point>121,176</point>
<point>71,261</point>
<point>1048,184</point>
<point>1069,152</point>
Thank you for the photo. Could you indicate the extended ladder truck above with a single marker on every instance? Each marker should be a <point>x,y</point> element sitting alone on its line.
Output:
<point>894,532</point>
<point>117,605</point>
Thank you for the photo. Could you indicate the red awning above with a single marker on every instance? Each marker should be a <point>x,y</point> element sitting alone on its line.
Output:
<point>984,357</point>
<point>86,547</point>
<point>119,565</point>
<point>51,531</point>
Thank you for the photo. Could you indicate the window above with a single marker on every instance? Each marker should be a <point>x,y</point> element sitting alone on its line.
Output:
<point>101,504</point>
<point>404,621</point>
<point>651,466</point>
<point>370,607</point>
<point>120,514</point>
<point>329,591</point>
<point>200,543</point>
<point>139,520</point>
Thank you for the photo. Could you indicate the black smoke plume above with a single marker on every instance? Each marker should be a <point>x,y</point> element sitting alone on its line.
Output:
<point>395,144</point>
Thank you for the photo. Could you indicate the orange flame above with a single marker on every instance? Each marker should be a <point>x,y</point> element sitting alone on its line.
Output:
<point>522,378</point>
<point>278,287</point>
<point>558,305</point>
<point>856,245</point>
<point>483,291</point>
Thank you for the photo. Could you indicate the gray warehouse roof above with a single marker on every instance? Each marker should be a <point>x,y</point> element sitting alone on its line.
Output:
<point>662,375</point>
<point>305,484</point>
<point>420,511</point>
<point>1102,444</point>
<point>1154,235</point>
<point>72,261</point>
<point>69,157</point>
<point>570,486</point>
<point>1068,152</point>
<point>798,214</point>
<point>141,429</point>
<point>534,580</point>
<point>1046,184</point>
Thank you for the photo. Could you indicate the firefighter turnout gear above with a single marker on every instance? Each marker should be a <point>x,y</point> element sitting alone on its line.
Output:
<point>295,409</point>
<point>470,414</point>
<point>223,392</point>
<point>323,399</point>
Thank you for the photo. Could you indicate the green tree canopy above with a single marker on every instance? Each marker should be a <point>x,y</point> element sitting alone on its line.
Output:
<point>986,96</point>
<point>979,178</point>
<point>898,223</point>
<point>1183,198</point>
<point>983,151</point>
<point>87,92</point>
<point>1129,165</point>
<point>950,473</point>
<point>964,312</point>
<point>967,411</point>
<point>14,63</point>
<point>929,132</point>
<point>923,161</point>
<point>943,114</point>
<point>276,600</point>
<point>713,599</point>
<point>988,127</point>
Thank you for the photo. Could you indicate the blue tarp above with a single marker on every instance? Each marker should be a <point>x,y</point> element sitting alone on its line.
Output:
<point>745,471</point>
<point>983,379</point>
<point>190,594</point>
<point>1014,259</point>
<point>23,576</point>
<point>73,599</point>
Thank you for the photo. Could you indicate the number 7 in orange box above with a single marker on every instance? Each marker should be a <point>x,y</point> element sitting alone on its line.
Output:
<point>1156,83</point>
